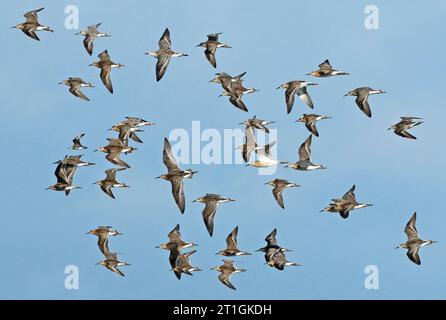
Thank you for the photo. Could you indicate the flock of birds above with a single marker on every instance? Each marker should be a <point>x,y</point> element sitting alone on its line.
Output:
<point>234,89</point>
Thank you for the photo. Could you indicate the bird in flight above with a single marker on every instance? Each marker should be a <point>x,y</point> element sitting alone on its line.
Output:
<point>163,54</point>
<point>31,25</point>
<point>211,45</point>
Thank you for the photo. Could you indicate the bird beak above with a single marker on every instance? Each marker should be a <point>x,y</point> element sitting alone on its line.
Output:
<point>14,27</point>
<point>279,87</point>
<point>397,247</point>
<point>345,95</point>
<point>194,200</point>
<point>312,84</point>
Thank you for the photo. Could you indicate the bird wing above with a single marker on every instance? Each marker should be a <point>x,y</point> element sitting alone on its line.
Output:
<point>173,256</point>
<point>31,16</point>
<point>412,254</point>
<point>115,270</point>
<point>403,133</point>
<point>94,26</point>
<point>113,157</point>
<point>77,140</point>
<point>108,191</point>
<point>344,212</point>
<point>210,54</point>
<point>277,193</point>
<point>311,126</point>
<point>271,238</point>
<point>264,153</point>
<point>289,98</point>
<point>213,36</point>
<point>169,161</point>
<point>178,193</point>
<point>164,42</point>
<point>124,132</point>
<point>410,118</point>
<point>103,244</point>
<point>88,43</point>
<point>161,65</point>
<point>105,77</point>
<point>209,214</point>
<point>249,144</point>
<point>236,100</point>
<point>224,278</point>
<point>410,229</point>
<point>231,240</point>
<point>111,174</point>
<point>61,173</point>
<point>350,194</point>
<point>112,142</point>
<point>135,138</point>
<point>30,33</point>
<point>304,151</point>
<point>104,56</point>
<point>305,97</point>
<point>175,234</point>
<point>325,65</point>
<point>70,169</point>
<point>279,259</point>
<point>111,256</point>
<point>75,89</point>
<point>363,103</point>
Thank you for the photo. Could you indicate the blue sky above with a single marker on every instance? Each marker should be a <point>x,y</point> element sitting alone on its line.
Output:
<point>42,231</point>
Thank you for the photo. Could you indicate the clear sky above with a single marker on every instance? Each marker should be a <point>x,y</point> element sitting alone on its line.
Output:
<point>42,231</point>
